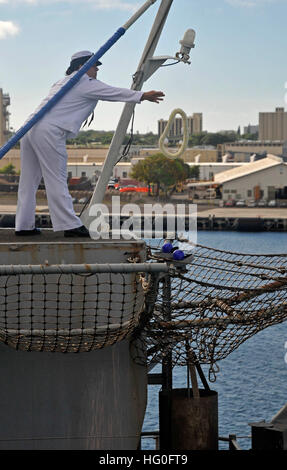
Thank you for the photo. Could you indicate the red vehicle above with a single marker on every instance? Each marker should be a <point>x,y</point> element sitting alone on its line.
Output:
<point>142,189</point>
<point>75,180</point>
<point>230,203</point>
<point>133,189</point>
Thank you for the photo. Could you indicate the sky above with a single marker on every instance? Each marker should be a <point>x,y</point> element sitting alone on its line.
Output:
<point>238,66</point>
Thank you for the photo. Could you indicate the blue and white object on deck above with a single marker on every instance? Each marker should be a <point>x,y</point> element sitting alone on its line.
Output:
<point>178,255</point>
<point>167,247</point>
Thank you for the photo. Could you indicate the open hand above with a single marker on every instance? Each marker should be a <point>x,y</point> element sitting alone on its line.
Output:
<point>153,96</point>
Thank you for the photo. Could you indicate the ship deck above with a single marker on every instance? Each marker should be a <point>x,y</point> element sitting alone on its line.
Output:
<point>7,235</point>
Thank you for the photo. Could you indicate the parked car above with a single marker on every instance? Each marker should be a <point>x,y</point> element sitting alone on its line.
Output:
<point>251,203</point>
<point>113,185</point>
<point>74,200</point>
<point>230,203</point>
<point>262,203</point>
<point>272,203</point>
<point>282,204</point>
<point>83,200</point>
<point>210,193</point>
<point>240,203</point>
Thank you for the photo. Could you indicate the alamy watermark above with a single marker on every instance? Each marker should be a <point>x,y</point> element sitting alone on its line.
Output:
<point>132,221</point>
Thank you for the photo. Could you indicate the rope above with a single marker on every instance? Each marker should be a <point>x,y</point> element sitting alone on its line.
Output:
<point>219,299</point>
<point>70,313</point>
<point>165,133</point>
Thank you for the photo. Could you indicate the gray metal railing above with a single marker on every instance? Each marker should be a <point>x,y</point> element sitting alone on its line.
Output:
<point>124,268</point>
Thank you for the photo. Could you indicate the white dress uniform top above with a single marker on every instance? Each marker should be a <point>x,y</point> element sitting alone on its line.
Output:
<point>43,149</point>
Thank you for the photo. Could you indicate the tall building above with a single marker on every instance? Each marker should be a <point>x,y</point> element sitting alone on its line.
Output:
<point>251,129</point>
<point>273,126</point>
<point>4,117</point>
<point>194,124</point>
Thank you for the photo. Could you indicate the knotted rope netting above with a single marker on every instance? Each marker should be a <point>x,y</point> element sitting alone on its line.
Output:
<point>72,311</point>
<point>199,309</point>
<point>212,302</point>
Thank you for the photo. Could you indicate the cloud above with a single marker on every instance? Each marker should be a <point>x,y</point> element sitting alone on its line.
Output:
<point>97,4</point>
<point>8,28</point>
<point>250,3</point>
<point>113,5</point>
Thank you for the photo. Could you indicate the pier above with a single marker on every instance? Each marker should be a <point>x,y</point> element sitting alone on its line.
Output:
<point>232,219</point>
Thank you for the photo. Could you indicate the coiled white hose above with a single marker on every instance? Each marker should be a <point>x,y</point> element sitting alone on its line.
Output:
<point>165,133</point>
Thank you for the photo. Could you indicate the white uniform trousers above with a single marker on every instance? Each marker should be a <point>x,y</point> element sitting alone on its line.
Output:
<point>43,153</point>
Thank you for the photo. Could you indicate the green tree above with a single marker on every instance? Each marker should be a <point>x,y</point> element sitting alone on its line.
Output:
<point>162,171</point>
<point>217,138</point>
<point>196,139</point>
<point>250,136</point>
<point>194,172</point>
<point>87,137</point>
<point>8,169</point>
<point>209,138</point>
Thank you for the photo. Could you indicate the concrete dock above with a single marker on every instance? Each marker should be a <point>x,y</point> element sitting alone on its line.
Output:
<point>209,217</point>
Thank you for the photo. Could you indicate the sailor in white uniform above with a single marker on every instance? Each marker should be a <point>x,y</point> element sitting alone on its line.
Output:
<point>43,148</point>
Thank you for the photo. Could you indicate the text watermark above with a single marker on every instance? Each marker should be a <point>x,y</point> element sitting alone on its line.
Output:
<point>132,221</point>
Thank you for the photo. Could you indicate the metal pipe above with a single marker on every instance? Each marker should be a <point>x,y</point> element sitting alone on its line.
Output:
<point>84,268</point>
<point>138,13</point>
<point>155,33</point>
<point>73,80</point>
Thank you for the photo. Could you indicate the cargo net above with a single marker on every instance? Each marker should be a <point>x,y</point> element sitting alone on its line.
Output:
<point>69,312</point>
<point>212,302</point>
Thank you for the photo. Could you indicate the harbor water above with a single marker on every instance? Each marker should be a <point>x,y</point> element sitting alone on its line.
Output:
<point>252,380</point>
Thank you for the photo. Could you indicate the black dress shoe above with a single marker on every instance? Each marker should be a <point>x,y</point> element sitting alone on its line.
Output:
<point>77,232</point>
<point>25,233</point>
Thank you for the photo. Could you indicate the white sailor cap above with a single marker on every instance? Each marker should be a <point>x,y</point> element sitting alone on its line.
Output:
<point>80,54</point>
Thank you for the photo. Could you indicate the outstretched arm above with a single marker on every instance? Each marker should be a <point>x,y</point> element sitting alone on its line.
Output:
<point>96,89</point>
<point>153,96</point>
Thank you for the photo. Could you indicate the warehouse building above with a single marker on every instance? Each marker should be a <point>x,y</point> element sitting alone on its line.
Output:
<point>93,170</point>
<point>241,151</point>
<point>262,179</point>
